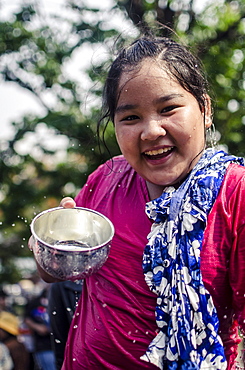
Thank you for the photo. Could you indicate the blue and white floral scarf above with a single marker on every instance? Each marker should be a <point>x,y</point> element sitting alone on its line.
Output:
<point>185,314</point>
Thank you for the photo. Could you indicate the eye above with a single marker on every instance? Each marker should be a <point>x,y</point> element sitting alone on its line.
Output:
<point>169,108</point>
<point>131,117</point>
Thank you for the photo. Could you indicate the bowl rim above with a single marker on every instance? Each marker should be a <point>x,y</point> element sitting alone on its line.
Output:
<point>70,250</point>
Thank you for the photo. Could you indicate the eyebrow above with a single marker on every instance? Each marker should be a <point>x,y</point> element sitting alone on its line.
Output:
<point>125,107</point>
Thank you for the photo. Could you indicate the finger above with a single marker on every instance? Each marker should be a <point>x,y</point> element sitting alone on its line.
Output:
<point>31,243</point>
<point>67,202</point>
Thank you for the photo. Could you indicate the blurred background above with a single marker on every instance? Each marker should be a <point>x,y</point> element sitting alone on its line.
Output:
<point>54,56</point>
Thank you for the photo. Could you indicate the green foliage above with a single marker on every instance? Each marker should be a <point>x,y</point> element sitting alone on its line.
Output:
<point>218,37</point>
<point>34,53</point>
<point>216,34</point>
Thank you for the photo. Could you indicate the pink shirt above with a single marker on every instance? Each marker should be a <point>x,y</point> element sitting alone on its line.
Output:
<point>115,321</point>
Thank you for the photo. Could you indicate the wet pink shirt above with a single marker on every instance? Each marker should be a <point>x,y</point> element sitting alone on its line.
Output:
<point>115,321</point>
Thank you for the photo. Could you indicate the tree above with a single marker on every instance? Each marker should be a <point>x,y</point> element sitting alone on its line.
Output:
<point>35,52</point>
<point>33,55</point>
<point>217,37</point>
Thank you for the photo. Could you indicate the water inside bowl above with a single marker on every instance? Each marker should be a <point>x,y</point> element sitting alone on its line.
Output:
<point>71,245</point>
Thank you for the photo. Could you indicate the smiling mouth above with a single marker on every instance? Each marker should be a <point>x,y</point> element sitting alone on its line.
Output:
<point>158,153</point>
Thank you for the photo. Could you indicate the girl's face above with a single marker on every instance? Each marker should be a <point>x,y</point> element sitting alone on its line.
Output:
<point>159,126</point>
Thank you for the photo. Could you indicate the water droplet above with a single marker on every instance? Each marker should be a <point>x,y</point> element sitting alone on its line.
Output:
<point>54,313</point>
<point>75,327</point>
<point>57,341</point>
<point>225,316</point>
<point>74,359</point>
<point>129,333</point>
<point>13,224</point>
<point>134,341</point>
<point>68,309</point>
<point>104,305</point>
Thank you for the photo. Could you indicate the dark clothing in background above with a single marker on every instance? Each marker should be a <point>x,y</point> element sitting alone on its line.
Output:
<point>37,311</point>
<point>18,352</point>
<point>37,318</point>
<point>63,297</point>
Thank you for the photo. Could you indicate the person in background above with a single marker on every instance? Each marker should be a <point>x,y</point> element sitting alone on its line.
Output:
<point>6,362</point>
<point>171,294</point>
<point>26,337</point>
<point>9,331</point>
<point>63,299</point>
<point>4,306</point>
<point>36,318</point>
<point>3,296</point>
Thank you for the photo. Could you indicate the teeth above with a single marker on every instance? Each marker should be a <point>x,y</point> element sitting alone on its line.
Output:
<point>159,151</point>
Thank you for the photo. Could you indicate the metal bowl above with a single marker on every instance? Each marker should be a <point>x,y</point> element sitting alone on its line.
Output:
<point>71,243</point>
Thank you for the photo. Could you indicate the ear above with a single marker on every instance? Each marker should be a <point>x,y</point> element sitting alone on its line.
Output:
<point>207,111</point>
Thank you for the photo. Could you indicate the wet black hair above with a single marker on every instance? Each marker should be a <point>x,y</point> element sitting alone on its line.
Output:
<point>177,60</point>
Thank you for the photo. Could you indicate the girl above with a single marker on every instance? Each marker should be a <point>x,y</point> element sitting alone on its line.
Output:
<point>176,204</point>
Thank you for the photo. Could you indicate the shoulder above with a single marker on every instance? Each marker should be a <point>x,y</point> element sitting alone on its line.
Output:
<point>232,191</point>
<point>231,199</point>
<point>113,166</point>
<point>113,178</point>
<point>235,171</point>
<point>111,172</point>
<point>234,180</point>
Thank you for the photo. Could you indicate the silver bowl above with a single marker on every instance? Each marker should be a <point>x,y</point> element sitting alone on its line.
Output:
<point>71,243</point>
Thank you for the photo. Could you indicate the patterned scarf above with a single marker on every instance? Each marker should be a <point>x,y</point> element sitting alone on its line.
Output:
<point>185,314</point>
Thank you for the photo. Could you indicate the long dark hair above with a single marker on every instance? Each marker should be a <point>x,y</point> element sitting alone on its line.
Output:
<point>177,60</point>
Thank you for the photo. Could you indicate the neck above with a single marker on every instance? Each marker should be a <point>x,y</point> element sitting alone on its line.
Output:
<point>155,191</point>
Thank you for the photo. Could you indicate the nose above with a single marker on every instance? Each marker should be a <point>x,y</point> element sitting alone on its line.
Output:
<point>152,129</point>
